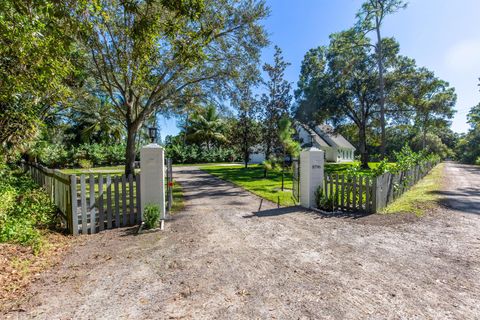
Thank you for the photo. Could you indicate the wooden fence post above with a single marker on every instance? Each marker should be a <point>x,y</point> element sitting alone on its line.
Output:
<point>73,204</point>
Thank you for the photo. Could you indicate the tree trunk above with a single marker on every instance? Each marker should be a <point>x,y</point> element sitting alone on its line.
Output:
<point>130,151</point>
<point>424,138</point>
<point>283,172</point>
<point>363,147</point>
<point>245,145</point>
<point>381,81</point>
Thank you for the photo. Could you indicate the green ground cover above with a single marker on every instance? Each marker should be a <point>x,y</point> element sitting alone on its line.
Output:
<point>26,214</point>
<point>421,196</point>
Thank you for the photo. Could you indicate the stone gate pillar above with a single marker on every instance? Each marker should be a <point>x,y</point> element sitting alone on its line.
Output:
<point>152,177</point>
<point>311,175</point>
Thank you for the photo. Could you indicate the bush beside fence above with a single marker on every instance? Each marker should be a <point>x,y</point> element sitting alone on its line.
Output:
<point>368,194</point>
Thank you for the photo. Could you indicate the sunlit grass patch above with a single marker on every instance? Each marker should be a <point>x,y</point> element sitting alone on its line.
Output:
<point>178,201</point>
<point>421,196</point>
<point>252,180</point>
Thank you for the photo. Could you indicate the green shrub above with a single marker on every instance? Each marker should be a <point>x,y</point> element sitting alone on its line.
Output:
<point>324,203</point>
<point>382,168</point>
<point>181,153</point>
<point>25,210</point>
<point>267,165</point>
<point>477,162</point>
<point>151,215</point>
<point>115,154</point>
<point>85,164</point>
<point>51,155</point>
<point>55,156</point>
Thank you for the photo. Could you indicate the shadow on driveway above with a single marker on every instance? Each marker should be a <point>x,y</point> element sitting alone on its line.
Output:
<point>463,199</point>
<point>297,209</point>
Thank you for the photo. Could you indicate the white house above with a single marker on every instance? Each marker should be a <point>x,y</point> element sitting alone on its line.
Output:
<point>323,137</point>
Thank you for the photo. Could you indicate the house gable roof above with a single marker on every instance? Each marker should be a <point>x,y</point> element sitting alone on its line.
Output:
<point>335,139</point>
<point>319,140</point>
<point>325,136</point>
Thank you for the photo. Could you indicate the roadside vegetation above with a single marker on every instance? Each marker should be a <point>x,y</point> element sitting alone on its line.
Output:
<point>26,213</point>
<point>468,147</point>
<point>29,239</point>
<point>269,186</point>
<point>421,197</point>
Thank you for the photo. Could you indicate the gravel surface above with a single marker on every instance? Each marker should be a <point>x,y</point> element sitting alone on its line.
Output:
<point>221,258</point>
<point>462,192</point>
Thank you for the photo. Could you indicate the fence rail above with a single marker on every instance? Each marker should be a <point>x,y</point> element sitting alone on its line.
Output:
<point>91,203</point>
<point>371,195</point>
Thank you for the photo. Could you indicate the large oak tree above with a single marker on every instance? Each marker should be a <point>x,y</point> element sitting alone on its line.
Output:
<point>338,83</point>
<point>149,55</point>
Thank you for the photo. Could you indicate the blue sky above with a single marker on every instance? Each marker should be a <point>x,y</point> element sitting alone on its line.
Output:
<point>442,35</point>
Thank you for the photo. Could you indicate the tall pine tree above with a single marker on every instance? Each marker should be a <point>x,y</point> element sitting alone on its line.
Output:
<point>275,104</point>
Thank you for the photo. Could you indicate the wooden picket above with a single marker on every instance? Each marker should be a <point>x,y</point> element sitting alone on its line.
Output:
<point>114,202</point>
<point>371,195</point>
<point>91,203</point>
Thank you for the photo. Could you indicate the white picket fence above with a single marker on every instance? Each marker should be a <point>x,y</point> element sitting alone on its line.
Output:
<point>371,195</point>
<point>90,203</point>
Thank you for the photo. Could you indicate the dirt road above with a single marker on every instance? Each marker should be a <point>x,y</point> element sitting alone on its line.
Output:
<point>462,192</point>
<point>223,259</point>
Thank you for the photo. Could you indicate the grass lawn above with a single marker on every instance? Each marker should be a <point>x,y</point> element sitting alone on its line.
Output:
<point>252,180</point>
<point>421,196</point>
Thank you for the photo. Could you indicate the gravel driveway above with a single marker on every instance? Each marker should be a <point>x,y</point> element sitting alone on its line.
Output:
<point>221,258</point>
<point>462,192</point>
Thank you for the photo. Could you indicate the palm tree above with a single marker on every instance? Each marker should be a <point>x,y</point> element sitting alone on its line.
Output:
<point>97,123</point>
<point>206,126</point>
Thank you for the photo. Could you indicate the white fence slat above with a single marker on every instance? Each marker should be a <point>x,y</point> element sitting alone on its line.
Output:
<point>131,203</point>
<point>83,203</point>
<point>139,213</point>
<point>109,202</point>
<point>124,200</point>
<point>92,203</point>
<point>117,202</point>
<point>74,203</point>
<point>101,210</point>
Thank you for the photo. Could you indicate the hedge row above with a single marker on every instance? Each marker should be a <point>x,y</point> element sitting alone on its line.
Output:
<point>85,155</point>
<point>93,155</point>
